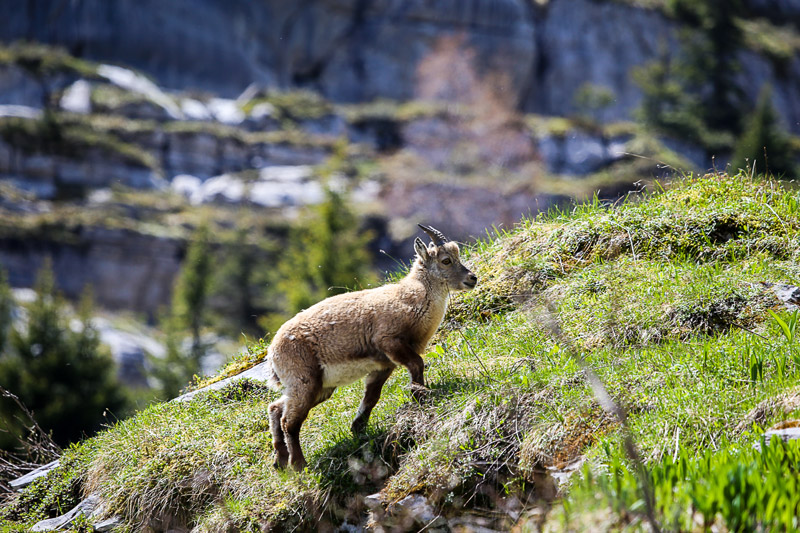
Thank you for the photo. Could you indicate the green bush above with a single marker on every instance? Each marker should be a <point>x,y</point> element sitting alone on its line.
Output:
<point>63,376</point>
<point>763,146</point>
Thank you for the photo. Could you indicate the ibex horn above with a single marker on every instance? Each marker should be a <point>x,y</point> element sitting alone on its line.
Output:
<point>436,236</point>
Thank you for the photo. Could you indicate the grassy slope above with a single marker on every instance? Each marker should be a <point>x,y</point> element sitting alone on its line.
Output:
<point>657,295</point>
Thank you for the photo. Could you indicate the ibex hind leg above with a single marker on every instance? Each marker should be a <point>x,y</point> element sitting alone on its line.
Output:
<point>278,439</point>
<point>295,411</point>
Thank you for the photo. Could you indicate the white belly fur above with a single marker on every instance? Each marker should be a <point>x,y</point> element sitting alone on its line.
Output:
<point>341,374</point>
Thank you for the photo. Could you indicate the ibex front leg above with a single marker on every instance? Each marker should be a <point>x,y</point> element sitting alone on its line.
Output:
<point>372,393</point>
<point>402,354</point>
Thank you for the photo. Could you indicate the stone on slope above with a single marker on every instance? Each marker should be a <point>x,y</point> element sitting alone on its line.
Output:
<point>260,372</point>
<point>87,507</point>
<point>30,477</point>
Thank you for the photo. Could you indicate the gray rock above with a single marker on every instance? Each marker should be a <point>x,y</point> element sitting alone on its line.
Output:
<point>355,51</point>
<point>109,524</point>
<point>18,87</point>
<point>191,153</point>
<point>349,49</point>
<point>327,126</point>
<point>785,434</point>
<point>102,257</point>
<point>86,508</point>
<point>583,41</point>
<point>260,372</point>
<point>22,482</point>
<point>579,152</point>
<point>285,154</point>
<point>415,509</point>
<point>374,501</point>
<point>233,155</point>
<point>788,294</point>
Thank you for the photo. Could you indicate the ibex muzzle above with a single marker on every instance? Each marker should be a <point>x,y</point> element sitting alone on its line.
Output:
<point>364,333</point>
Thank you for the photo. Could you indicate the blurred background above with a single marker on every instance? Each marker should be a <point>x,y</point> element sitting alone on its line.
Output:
<point>178,177</point>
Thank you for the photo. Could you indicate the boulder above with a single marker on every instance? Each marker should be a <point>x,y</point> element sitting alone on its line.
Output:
<point>89,507</point>
<point>579,152</point>
<point>412,513</point>
<point>260,372</point>
<point>22,482</point>
<point>786,431</point>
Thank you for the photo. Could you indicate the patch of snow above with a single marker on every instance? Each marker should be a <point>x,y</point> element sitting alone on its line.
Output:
<point>77,98</point>
<point>226,111</point>
<point>366,192</point>
<point>188,186</point>
<point>195,109</point>
<point>224,187</point>
<point>282,194</point>
<point>24,295</point>
<point>121,340</point>
<point>135,82</point>
<point>286,173</point>
<point>100,196</point>
<point>20,111</point>
<point>262,110</point>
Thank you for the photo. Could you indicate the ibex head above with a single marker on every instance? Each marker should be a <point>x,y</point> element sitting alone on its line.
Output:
<point>442,261</point>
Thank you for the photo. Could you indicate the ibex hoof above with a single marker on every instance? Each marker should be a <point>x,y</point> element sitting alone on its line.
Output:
<point>280,462</point>
<point>419,392</point>
<point>358,427</point>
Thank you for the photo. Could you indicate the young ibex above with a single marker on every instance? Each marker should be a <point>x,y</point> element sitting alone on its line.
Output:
<point>365,333</point>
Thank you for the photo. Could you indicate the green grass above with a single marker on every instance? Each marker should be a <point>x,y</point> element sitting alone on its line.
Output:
<point>44,60</point>
<point>779,43</point>
<point>70,136</point>
<point>108,98</point>
<point>662,298</point>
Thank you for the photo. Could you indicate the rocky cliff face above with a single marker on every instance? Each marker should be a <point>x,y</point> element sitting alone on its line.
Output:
<point>126,270</point>
<point>359,50</point>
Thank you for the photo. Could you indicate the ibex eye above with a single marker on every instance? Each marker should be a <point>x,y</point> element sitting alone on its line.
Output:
<point>446,261</point>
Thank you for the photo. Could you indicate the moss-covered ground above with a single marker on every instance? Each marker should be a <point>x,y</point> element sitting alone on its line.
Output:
<point>662,296</point>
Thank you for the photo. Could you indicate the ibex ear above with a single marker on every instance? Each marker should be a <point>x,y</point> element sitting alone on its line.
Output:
<point>420,248</point>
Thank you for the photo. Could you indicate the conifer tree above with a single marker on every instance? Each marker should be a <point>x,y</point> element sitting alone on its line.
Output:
<point>190,300</point>
<point>241,285</point>
<point>666,106</point>
<point>763,142</point>
<point>189,313</point>
<point>64,377</point>
<point>326,255</point>
<point>695,95</point>
<point>712,45</point>
<point>6,308</point>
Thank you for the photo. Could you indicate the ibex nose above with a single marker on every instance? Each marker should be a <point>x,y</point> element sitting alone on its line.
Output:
<point>472,280</point>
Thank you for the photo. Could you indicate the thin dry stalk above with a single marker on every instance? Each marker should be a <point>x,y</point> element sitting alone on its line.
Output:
<point>35,449</point>
<point>611,407</point>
